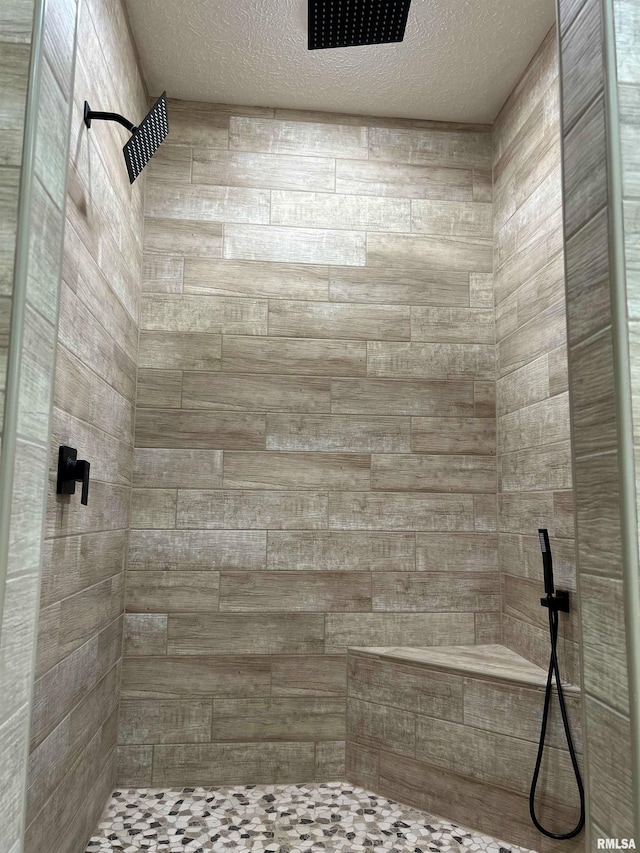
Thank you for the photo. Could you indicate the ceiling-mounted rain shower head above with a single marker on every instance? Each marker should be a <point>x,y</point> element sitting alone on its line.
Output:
<point>146,137</point>
<point>349,23</point>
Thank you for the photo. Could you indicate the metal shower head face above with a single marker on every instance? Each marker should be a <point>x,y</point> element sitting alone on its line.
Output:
<point>147,138</point>
<point>350,23</point>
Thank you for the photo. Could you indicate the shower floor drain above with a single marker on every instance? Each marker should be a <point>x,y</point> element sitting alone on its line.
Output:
<point>276,819</point>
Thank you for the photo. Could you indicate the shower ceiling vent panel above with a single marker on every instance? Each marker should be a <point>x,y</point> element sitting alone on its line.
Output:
<point>349,23</point>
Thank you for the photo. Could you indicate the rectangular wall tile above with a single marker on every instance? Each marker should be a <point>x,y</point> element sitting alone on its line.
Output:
<point>309,675</point>
<point>451,218</point>
<point>226,633</point>
<point>257,279</point>
<point>438,473</point>
<point>294,245</point>
<point>465,254</point>
<point>180,351</point>
<point>247,392</point>
<point>172,592</point>
<point>349,433</point>
<point>453,435</point>
<point>331,210</point>
<point>431,361</point>
<point>278,719</point>
<point>269,171</point>
<point>145,634</point>
<point>207,203</point>
<point>196,550</point>
<point>275,470</point>
<point>339,320</point>
<point>399,286</point>
<point>456,552</point>
<point>452,325</point>
<point>199,430</point>
<point>175,469</point>
<point>203,314</point>
<point>349,552</point>
<point>166,721</point>
<point>397,511</point>
<point>273,355</point>
<point>402,592</point>
<point>402,397</point>
<point>252,510</point>
<point>266,763</point>
<point>214,675</point>
<point>419,147</point>
<point>295,591</point>
<point>369,177</point>
<point>188,237</point>
<point>401,629</point>
<point>157,388</point>
<point>301,138</point>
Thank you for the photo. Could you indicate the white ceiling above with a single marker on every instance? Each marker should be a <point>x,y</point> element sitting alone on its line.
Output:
<point>458,62</point>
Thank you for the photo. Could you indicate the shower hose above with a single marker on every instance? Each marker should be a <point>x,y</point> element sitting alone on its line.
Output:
<point>555,670</point>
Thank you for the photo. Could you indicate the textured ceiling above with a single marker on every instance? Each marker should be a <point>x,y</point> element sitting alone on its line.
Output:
<point>458,62</point>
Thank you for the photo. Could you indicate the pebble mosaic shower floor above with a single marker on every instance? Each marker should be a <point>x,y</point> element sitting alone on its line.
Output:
<point>277,819</point>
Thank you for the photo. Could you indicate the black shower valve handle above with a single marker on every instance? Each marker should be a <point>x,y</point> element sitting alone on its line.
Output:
<point>82,469</point>
<point>72,470</point>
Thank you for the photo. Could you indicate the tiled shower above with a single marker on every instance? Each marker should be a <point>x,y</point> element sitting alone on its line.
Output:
<point>332,373</point>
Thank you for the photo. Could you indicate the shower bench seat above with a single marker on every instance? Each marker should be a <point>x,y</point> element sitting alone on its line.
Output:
<point>454,730</point>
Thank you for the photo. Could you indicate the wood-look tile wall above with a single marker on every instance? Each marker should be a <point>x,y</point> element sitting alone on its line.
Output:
<point>78,668</point>
<point>29,286</point>
<point>534,447</point>
<point>601,222</point>
<point>16,24</point>
<point>16,33</point>
<point>626,19</point>
<point>315,431</point>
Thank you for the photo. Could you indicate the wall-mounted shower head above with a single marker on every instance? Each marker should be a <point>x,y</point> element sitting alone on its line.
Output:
<point>146,137</point>
<point>349,23</point>
<point>547,561</point>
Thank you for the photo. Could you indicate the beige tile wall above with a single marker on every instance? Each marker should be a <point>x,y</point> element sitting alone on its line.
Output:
<point>16,25</point>
<point>626,19</point>
<point>534,447</point>
<point>78,668</point>
<point>315,431</point>
<point>33,155</point>
<point>600,225</point>
<point>601,239</point>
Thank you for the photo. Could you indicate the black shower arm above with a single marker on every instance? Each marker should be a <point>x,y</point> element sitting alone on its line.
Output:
<point>90,115</point>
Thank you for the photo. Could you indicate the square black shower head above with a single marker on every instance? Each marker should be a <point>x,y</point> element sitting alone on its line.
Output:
<point>147,138</point>
<point>348,23</point>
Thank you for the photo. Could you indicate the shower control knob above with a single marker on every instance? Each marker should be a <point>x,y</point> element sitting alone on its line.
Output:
<point>72,470</point>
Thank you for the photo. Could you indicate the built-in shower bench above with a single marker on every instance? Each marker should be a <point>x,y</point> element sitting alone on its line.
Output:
<point>454,730</point>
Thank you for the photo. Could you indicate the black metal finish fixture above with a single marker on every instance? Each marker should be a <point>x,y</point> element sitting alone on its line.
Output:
<point>350,23</point>
<point>555,601</point>
<point>146,137</point>
<point>72,470</point>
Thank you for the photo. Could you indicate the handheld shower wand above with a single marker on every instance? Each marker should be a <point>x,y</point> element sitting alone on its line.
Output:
<point>555,602</point>
<point>547,561</point>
